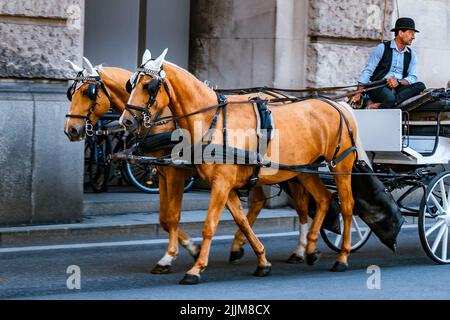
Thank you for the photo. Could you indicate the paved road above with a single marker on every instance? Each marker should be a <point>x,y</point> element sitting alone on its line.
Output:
<point>123,273</point>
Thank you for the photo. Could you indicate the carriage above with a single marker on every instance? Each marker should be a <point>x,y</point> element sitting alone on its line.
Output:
<point>410,151</point>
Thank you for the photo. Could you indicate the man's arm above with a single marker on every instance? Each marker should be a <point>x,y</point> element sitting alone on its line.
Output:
<point>412,71</point>
<point>374,60</point>
<point>369,69</point>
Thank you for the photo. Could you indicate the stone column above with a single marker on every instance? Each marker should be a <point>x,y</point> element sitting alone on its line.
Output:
<point>342,35</point>
<point>42,173</point>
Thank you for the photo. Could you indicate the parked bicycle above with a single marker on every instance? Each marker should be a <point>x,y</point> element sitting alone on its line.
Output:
<point>109,137</point>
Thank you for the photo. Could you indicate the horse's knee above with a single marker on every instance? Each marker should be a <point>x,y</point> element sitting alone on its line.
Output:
<point>208,232</point>
<point>168,223</point>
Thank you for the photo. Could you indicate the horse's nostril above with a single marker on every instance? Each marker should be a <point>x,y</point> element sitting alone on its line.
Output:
<point>73,132</point>
<point>128,123</point>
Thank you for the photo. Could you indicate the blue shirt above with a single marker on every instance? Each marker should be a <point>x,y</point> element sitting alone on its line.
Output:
<point>396,70</point>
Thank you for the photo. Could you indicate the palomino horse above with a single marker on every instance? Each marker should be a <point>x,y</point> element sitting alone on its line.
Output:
<point>307,131</point>
<point>171,179</point>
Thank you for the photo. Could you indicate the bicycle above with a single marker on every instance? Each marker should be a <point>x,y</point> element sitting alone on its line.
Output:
<point>109,137</point>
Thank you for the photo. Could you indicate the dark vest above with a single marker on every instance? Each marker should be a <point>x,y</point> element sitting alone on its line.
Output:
<point>386,61</point>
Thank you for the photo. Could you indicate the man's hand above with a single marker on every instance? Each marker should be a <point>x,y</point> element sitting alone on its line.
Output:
<point>355,99</point>
<point>392,83</point>
<point>404,82</point>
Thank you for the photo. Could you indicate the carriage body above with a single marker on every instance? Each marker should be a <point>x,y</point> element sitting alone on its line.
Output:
<point>414,144</point>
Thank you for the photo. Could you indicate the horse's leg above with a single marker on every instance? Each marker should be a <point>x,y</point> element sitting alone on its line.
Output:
<point>171,185</point>
<point>220,192</point>
<point>300,198</point>
<point>234,205</point>
<point>258,199</point>
<point>322,197</point>
<point>343,183</point>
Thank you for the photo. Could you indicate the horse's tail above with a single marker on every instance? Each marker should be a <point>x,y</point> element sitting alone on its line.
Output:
<point>362,155</point>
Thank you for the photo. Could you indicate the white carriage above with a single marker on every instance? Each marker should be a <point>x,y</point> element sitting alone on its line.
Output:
<point>414,144</point>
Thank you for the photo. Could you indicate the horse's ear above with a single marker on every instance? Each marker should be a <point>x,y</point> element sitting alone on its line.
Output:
<point>146,57</point>
<point>158,62</point>
<point>74,67</point>
<point>89,68</point>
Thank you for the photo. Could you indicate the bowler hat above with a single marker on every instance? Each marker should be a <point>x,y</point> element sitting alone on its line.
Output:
<point>405,24</point>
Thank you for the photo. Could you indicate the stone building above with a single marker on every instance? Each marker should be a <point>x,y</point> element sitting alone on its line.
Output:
<point>232,43</point>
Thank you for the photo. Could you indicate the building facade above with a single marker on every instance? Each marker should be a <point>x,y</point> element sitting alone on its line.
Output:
<point>231,43</point>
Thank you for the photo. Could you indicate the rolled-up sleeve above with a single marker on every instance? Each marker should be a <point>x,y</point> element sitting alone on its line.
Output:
<point>374,60</point>
<point>412,70</point>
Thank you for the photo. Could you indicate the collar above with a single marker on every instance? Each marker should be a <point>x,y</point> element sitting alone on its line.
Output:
<point>394,46</point>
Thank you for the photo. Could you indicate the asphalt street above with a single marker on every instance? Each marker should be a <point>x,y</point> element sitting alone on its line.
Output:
<point>122,272</point>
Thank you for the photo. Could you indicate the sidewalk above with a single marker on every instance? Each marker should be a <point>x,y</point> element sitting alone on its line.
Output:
<point>136,226</point>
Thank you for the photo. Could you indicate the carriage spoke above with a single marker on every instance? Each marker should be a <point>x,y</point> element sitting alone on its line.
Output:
<point>448,197</point>
<point>437,204</point>
<point>433,228</point>
<point>338,240</point>
<point>444,245</point>
<point>358,230</point>
<point>439,238</point>
<point>443,195</point>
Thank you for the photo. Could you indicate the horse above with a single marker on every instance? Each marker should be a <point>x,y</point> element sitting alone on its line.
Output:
<point>112,93</point>
<point>309,130</point>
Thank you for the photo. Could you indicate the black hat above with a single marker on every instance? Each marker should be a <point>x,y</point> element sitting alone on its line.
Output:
<point>405,24</point>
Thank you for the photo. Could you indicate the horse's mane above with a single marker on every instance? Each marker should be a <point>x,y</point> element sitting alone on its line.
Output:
<point>187,73</point>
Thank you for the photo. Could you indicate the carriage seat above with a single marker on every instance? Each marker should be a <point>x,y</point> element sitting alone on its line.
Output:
<point>431,100</point>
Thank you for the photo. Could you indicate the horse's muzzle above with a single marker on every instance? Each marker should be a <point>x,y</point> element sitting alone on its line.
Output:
<point>75,133</point>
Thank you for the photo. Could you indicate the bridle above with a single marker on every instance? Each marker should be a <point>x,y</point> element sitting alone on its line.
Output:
<point>95,84</point>
<point>153,88</point>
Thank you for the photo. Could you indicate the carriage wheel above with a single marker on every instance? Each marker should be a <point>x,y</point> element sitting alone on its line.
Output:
<point>434,219</point>
<point>359,235</point>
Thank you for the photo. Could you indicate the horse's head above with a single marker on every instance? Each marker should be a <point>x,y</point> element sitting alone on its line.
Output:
<point>149,93</point>
<point>89,101</point>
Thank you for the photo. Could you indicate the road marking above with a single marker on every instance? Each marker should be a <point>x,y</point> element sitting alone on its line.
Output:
<point>141,242</point>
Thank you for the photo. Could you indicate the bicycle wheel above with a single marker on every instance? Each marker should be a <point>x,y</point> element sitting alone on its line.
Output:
<point>145,177</point>
<point>99,166</point>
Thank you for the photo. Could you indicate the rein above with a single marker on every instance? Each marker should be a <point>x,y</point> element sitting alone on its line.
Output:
<point>372,86</point>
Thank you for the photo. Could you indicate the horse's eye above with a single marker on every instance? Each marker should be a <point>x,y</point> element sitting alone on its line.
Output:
<point>129,86</point>
<point>152,86</point>
<point>91,91</point>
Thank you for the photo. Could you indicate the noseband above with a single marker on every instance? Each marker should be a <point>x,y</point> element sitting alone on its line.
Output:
<point>95,83</point>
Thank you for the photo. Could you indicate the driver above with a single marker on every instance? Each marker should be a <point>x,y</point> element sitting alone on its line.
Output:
<point>395,62</point>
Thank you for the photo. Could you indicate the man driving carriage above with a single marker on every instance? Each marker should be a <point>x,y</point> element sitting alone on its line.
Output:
<point>395,62</point>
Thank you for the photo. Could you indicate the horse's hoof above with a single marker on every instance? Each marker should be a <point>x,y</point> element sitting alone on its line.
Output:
<point>295,259</point>
<point>159,269</point>
<point>262,271</point>
<point>236,255</point>
<point>190,279</point>
<point>339,267</point>
<point>313,258</point>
